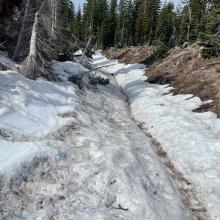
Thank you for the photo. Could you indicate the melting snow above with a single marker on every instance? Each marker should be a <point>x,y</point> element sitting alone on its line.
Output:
<point>34,108</point>
<point>30,110</point>
<point>192,140</point>
<point>111,170</point>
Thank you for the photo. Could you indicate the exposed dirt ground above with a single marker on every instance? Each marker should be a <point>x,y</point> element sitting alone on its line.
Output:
<point>183,69</point>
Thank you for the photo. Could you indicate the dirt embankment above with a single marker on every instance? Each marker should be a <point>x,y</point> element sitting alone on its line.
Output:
<point>183,69</point>
<point>139,54</point>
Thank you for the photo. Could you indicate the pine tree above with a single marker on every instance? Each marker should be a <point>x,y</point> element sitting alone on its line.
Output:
<point>77,25</point>
<point>194,18</point>
<point>165,27</point>
<point>142,27</point>
<point>121,23</point>
<point>154,11</point>
<point>135,13</point>
<point>112,22</point>
<point>147,20</point>
<point>102,23</point>
<point>88,18</point>
<point>131,17</point>
<point>213,24</point>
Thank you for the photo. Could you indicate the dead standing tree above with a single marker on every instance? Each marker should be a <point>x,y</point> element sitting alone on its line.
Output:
<point>43,35</point>
<point>30,66</point>
<point>54,17</point>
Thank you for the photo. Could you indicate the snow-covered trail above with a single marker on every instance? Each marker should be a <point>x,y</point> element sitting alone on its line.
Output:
<point>109,170</point>
<point>188,142</point>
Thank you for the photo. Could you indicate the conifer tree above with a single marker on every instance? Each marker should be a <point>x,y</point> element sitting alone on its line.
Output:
<point>165,27</point>
<point>213,24</point>
<point>121,23</point>
<point>112,22</point>
<point>194,18</point>
<point>77,25</point>
<point>137,22</point>
<point>147,20</point>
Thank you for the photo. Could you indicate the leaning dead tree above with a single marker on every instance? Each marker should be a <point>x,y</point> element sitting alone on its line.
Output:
<point>43,33</point>
<point>30,66</point>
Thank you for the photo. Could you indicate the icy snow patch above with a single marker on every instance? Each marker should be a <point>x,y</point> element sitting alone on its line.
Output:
<point>111,171</point>
<point>34,108</point>
<point>30,110</point>
<point>192,140</point>
<point>13,154</point>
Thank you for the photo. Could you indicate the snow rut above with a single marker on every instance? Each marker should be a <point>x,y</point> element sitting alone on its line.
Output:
<point>108,170</point>
<point>184,187</point>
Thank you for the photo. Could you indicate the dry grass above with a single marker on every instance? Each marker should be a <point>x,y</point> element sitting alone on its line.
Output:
<point>190,73</point>
<point>185,70</point>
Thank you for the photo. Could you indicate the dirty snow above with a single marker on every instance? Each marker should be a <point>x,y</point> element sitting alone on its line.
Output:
<point>109,168</point>
<point>192,140</point>
<point>30,110</point>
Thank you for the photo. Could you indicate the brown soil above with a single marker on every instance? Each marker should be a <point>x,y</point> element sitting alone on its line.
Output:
<point>183,69</point>
<point>188,72</point>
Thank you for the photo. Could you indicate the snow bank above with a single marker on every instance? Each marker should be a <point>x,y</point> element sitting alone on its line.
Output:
<point>33,108</point>
<point>192,140</point>
<point>30,110</point>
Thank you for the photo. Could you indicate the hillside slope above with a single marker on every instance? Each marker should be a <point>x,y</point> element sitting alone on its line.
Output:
<point>185,70</point>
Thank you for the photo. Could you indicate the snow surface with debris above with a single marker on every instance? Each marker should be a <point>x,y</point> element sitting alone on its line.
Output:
<point>30,110</point>
<point>109,168</point>
<point>192,140</point>
<point>15,154</point>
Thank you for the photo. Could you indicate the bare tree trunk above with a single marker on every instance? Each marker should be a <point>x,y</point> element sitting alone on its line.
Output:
<point>150,34</point>
<point>143,22</point>
<point>189,24</point>
<point>87,46</point>
<point>27,6</point>
<point>54,19</point>
<point>122,34</point>
<point>31,62</point>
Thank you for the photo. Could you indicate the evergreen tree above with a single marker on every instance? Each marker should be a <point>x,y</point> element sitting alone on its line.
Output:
<point>121,23</point>
<point>103,23</point>
<point>77,25</point>
<point>147,20</point>
<point>194,18</point>
<point>136,8</point>
<point>213,24</point>
<point>112,22</point>
<point>138,22</point>
<point>165,28</point>
<point>142,27</point>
